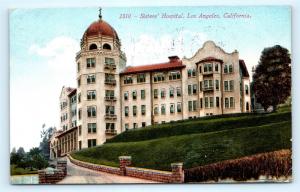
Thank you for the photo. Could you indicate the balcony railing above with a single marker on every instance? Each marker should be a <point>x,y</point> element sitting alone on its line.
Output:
<point>111,132</point>
<point>109,66</point>
<point>110,98</point>
<point>208,88</point>
<point>110,116</point>
<point>110,81</point>
<point>208,73</point>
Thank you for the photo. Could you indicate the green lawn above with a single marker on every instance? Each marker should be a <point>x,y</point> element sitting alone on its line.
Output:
<point>20,171</point>
<point>196,142</point>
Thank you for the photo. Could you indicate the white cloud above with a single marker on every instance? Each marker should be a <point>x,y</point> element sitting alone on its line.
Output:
<point>35,94</point>
<point>147,48</point>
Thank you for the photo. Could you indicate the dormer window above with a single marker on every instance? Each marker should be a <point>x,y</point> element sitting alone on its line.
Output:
<point>106,46</point>
<point>93,46</point>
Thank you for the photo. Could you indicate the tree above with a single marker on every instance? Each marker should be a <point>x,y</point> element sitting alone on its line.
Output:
<point>46,134</point>
<point>36,159</point>
<point>272,77</point>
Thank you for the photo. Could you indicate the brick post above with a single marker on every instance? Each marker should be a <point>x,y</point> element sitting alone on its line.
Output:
<point>177,173</point>
<point>62,165</point>
<point>124,161</point>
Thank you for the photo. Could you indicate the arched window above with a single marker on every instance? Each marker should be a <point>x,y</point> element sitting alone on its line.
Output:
<point>93,46</point>
<point>106,46</point>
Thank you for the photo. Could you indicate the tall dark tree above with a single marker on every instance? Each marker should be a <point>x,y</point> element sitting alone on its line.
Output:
<point>272,77</point>
<point>46,134</point>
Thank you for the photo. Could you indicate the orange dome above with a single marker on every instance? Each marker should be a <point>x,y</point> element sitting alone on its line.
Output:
<point>100,27</point>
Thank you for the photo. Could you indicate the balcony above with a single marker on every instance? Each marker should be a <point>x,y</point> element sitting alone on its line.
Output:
<point>110,132</point>
<point>110,66</point>
<point>208,88</point>
<point>110,116</point>
<point>110,82</point>
<point>207,73</point>
<point>110,98</point>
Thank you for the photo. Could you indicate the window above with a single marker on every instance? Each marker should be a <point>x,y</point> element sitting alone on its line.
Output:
<point>91,111</point>
<point>109,61</point>
<point>158,77</point>
<point>174,75</point>
<point>135,125</point>
<point>226,88</point>
<point>217,84</point>
<point>200,85</point>
<point>127,80</point>
<point>247,89</point>
<point>231,102</point>
<point>79,143</point>
<point>216,67</point>
<point>201,103</point>
<point>247,106</point>
<point>92,127</point>
<point>171,92</point>
<point>134,110</point>
<point>217,101</point>
<point>155,110</point>
<point>208,67</point>
<point>91,95</point>
<point>78,82</point>
<point>211,102</point>
<point>172,108</point>
<point>110,126</point>
<point>162,93</point>
<point>225,69</point>
<point>194,88</point>
<point>143,109</point>
<point>226,103</point>
<point>190,105</point>
<point>230,69</point>
<point>92,143</point>
<point>189,72</point>
<point>143,124</point>
<point>110,94</point>
<point>91,78</point>
<point>126,126</point>
<point>109,110</point>
<point>141,78</point>
<point>194,73</point>
<point>208,84</point>
<point>79,130</point>
<point>134,95</point>
<point>163,109</point>
<point>73,99</point>
<point>93,46</point>
<point>200,69</point>
<point>178,91</point>
<point>231,85</point>
<point>206,102</point>
<point>155,93</point>
<point>126,95</point>
<point>126,111</point>
<point>90,62</point>
<point>79,97</point>
<point>78,66</point>
<point>143,96</point>
<point>194,105</point>
<point>109,78</point>
<point>79,114</point>
<point>189,89</point>
<point>106,46</point>
<point>179,107</point>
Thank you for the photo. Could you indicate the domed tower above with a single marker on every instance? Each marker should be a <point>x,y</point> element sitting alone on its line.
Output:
<point>99,63</point>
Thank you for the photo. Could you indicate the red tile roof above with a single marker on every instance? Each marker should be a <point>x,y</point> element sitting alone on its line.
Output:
<point>173,64</point>
<point>243,68</point>
<point>100,27</point>
<point>209,59</point>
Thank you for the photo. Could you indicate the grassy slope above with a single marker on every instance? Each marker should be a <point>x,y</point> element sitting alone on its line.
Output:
<point>201,125</point>
<point>194,149</point>
<point>20,171</point>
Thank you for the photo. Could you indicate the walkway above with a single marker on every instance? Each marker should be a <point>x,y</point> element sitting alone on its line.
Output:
<point>80,175</point>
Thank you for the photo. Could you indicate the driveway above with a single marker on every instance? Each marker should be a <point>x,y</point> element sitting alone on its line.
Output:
<point>80,175</point>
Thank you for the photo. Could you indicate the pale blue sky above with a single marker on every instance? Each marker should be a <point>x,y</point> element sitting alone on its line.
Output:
<point>43,43</point>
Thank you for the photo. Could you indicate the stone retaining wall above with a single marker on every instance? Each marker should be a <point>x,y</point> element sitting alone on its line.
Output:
<point>176,176</point>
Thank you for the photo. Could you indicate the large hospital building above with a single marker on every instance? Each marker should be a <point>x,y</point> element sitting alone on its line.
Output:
<point>112,97</point>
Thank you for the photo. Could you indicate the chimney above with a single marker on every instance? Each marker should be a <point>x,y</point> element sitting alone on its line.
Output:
<point>173,58</point>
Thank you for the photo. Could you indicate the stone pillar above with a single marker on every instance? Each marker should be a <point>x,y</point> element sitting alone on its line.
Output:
<point>62,165</point>
<point>177,173</point>
<point>124,161</point>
